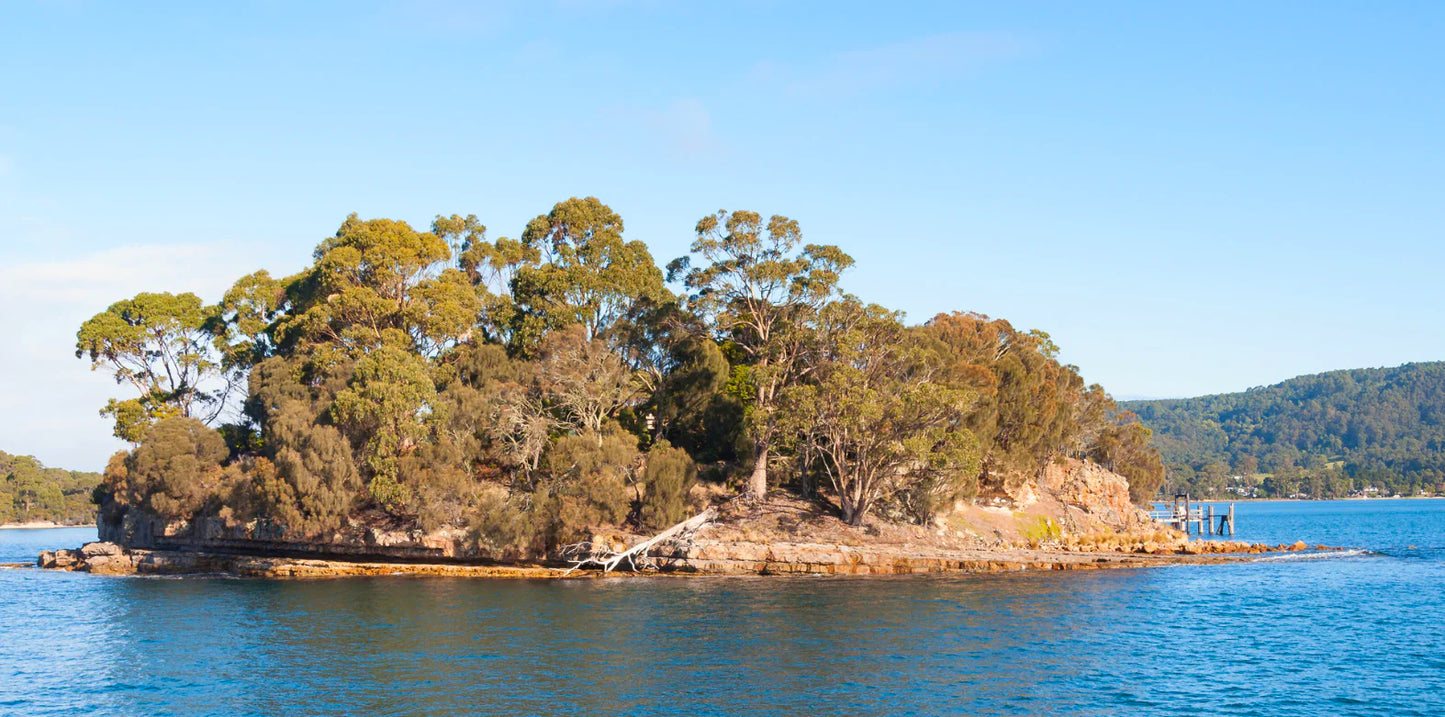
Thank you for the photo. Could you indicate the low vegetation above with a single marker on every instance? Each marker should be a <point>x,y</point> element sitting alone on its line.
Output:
<point>529,390</point>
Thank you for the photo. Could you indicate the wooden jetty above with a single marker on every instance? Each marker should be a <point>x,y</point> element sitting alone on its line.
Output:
<point>1197,519</point>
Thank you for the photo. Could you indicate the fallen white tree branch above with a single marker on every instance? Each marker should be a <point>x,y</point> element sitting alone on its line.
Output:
<point>636,556</point>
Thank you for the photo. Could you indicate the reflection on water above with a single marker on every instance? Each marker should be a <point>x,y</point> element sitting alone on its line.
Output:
<point>1351,635</point>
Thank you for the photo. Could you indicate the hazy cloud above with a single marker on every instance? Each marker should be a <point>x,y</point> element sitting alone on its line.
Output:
<point>447,17</point>
<point>48,398</point>
<point>687,127</point>
<point>917,61</point>
<point>682,130</point>
<point>95,280</point>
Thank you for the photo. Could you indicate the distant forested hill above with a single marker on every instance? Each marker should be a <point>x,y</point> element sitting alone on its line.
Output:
<point>1364,431</point>
<point>31,492</point>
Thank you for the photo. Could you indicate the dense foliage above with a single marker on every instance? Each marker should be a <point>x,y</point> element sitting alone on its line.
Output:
<point>529,390</point>
<point>1363,432</point>
<point>30,492</point>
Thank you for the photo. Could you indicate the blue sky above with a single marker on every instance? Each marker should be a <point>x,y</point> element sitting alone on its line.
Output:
<point>1191,198</point>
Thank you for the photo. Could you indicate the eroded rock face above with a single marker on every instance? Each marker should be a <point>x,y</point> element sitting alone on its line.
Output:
<point>1100,493</point>
<point>137,531</point>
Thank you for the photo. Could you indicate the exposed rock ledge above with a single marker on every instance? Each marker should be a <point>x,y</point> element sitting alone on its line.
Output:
<point>1075,515</point>
<point>701,557</point>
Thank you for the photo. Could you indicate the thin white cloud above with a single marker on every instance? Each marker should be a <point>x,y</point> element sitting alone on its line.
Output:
<point>912,62</point>
<point>95,280</point>
<point>681,131</point>
<point>48,398</point>
<point>447,17</point>
<point>688,127</point>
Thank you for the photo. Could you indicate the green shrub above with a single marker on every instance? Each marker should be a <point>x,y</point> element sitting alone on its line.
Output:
<point>176,469</point>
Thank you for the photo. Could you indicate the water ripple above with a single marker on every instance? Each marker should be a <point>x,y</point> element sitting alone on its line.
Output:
<point>1358,634</point>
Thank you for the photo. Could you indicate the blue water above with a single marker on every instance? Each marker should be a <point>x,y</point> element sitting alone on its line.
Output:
<point>1353,635</point>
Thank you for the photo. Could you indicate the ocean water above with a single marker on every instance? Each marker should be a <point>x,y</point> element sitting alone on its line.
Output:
<point>1362,633</point>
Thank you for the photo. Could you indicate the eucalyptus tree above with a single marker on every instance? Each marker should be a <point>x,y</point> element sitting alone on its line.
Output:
<point>1124,448</point>
<point>759,295</point>
<point>379,282</point>
<point>161,345</point>
<point>244,321</point>
<point>588,273</point>
<point>27,486</point>
<point>873,420</point>
<point>490,266</point>
<point>585,380</point>
<point>1030,404</point>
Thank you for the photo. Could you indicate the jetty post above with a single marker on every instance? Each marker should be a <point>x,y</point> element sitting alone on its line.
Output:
<point>1191,519</point>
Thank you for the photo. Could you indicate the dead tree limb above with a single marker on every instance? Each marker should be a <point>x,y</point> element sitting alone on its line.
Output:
<point>583,554</point>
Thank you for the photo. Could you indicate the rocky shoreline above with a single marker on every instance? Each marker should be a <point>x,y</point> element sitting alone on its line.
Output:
<point>698,557</point>
<point>1076,516</point>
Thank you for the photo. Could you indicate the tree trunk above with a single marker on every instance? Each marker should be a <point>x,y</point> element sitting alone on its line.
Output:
<point>852,511</point>
<point>758,483</point>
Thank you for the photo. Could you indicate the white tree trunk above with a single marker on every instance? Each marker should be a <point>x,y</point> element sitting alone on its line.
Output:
<point>758,482</point>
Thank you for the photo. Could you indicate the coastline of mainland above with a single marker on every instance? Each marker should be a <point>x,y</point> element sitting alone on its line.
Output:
<point>40,525</point>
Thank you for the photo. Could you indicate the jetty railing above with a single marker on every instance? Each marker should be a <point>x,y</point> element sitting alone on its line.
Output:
<point>1196,519</point>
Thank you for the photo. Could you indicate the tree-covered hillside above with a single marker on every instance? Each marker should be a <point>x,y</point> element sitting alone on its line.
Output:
<point>30,492</point>
<point>530,389</point>
<point>1364,431</point>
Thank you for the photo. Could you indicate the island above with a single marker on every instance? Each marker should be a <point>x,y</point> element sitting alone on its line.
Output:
<point>441,402</point>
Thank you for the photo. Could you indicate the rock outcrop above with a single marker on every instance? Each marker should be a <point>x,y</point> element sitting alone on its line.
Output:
<point>701,557</point>
<point>1102,496</point>
<point>139,531</point>
<point>1074,515</point>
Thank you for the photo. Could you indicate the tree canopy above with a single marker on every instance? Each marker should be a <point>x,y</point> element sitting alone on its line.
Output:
<point>761,297</point>
<point>159,344</point>
<point>529,390</point>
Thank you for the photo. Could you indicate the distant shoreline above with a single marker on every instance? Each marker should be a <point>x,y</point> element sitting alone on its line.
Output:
<point>1193,499</point>
<point>40,525</point>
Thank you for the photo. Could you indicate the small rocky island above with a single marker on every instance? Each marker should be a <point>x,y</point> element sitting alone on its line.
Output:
<point>1078,517</point>
<point>440,402</point>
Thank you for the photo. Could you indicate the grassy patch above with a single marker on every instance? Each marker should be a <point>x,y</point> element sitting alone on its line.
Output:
<point>1038,529</point>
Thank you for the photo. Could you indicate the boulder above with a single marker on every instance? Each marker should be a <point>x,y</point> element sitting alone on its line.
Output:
<point>91,550</point>
<point>110,565</point>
